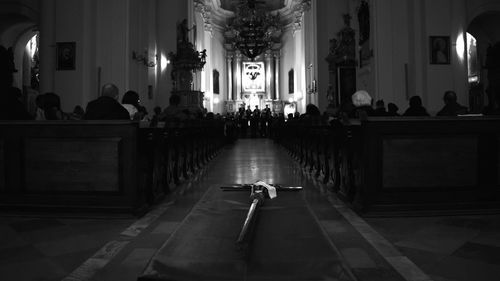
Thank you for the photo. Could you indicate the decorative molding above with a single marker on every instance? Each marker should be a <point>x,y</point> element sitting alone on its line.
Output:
<point>298,9</point>
<point>206,13</point>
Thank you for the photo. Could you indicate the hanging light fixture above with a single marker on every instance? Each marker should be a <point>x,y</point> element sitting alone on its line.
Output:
<point>253,29</point>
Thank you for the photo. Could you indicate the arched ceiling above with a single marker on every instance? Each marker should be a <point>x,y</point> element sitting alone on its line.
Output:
<point>269,5</point>
<point>487,24</point>
<point>216,13</point>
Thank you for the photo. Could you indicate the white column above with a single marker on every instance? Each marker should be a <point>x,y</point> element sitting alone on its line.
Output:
<point>269,60</point>
<point>238,77</point>
<point>277,69</point>
<point>230,95</point>
<point>47,46</point>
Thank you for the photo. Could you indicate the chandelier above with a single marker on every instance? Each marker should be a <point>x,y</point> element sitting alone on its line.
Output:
<point>253,29</point>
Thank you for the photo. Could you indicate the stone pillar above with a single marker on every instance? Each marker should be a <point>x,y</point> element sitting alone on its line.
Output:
<point>47,45</point>
<point>269,74</point>
<point>277,94</point>
<point>238,92</point>
<point>230,92</point>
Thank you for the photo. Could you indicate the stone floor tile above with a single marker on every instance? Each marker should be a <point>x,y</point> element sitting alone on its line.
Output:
<point>424,259</point>
<point>34,224</point>
<point>9,238</point>
<point>68,245</point>
<point>72,260</point>
<point>20,254</point>
<point>460,269</point>
<point>491,238</point>
<point>36,270</point>
<point>165,228</point>
<point>478,252</point>
<point>334,227</point>
<point>358,258</point>
<point>439,239</point>
<point>138,258</point>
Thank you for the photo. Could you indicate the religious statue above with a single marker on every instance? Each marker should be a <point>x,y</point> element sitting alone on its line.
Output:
<point>182,32</point>
<point>185,62</point>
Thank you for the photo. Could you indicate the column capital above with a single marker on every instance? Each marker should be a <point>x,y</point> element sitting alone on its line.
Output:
<point>268,55</point>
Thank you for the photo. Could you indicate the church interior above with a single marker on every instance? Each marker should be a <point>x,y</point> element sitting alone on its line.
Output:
<point>146,139</point>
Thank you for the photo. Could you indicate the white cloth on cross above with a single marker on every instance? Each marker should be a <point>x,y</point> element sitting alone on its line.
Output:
<point>271,190</point>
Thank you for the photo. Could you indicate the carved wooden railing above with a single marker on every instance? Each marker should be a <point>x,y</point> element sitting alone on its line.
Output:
<point>111,166</point>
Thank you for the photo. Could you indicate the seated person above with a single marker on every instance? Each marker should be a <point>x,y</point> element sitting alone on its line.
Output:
<point>313,114</point>
<point>416,108</point>
<point>392,110</point>
<point>380,109</point>
<point>78,113</point>
<point>107,107</point>
<point>130,102</point>
<point>451,106</point>
<point>362,102</point>
<point>52,107</point>
<point>11,106</point>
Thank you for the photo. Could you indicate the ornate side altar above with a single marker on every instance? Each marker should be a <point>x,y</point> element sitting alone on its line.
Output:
<point>185,63</point>
<point>342,65</point>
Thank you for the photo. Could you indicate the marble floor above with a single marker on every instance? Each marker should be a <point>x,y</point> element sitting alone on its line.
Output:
<point>57,247</point>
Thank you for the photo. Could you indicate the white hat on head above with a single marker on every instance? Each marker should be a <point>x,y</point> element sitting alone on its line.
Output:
<point>361,98</point>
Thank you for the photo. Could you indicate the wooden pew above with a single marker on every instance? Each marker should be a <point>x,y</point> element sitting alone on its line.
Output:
<point>102,166</point>
<point>70,165</point>
<point>422,165</point>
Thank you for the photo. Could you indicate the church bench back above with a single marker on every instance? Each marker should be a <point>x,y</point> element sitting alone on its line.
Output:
<point>424,163</point>
<point>81,164</point>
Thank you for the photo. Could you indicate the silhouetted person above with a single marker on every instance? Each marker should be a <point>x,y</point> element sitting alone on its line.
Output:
<point>380,109</point>
<point>392,110</point>
<point>254,122</point>
<point>52,107</point>
<point>313,114</point>
<point>107,106</point>
<point>416,108</point>
<point>131,101</point>
<point>173,110</point>
<point>78,113</point>
<point>451,106</point>
<point>11,107</point>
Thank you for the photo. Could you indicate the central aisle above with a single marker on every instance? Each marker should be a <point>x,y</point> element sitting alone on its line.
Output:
<point>247,161</point>
<point>250,160</point>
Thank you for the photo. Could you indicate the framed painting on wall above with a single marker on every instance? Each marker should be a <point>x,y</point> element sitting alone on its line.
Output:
<point>216,82</point>
<point>440,49</point>
<point>66,55</point>
<point>254,78</point>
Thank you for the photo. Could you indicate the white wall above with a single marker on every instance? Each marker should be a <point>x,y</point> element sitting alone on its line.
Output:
<point>329,22</point>
<point>311,51</point>
<point>287,62</point>
<point>402,30</point>
<point>69,28</point>
<point>168,13</point>
<point>391,51</point>
<point>219,63</point>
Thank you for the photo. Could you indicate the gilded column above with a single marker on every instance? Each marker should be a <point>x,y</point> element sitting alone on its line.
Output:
<point>238,92</point>
<point>47,46</point>
<point>230,92</point>
<point>269,60</point>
